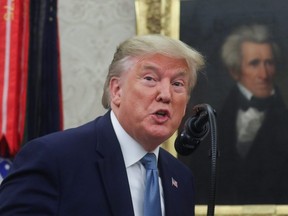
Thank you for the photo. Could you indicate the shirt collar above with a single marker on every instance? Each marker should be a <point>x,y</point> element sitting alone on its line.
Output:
<point>132,151</point>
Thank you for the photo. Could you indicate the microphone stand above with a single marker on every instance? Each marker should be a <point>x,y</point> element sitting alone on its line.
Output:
<point>195,130</point>
<point>214,155</point>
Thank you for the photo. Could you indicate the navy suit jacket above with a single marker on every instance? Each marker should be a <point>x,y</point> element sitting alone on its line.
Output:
<point>81,171</point>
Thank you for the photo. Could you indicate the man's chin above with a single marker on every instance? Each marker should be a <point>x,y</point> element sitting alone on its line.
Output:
<point>161,137</point>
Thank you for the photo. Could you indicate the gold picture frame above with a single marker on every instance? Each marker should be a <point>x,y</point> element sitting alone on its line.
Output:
<point>163,17</point>
<point>158,17</point>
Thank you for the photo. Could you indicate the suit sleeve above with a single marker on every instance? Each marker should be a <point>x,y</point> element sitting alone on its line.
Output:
<point>32,187</point>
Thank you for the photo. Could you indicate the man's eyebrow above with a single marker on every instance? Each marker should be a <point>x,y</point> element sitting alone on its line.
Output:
<point>182,72</point>
<point>150,67</point>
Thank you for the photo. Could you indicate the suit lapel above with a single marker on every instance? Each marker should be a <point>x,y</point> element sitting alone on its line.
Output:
<point>170,187</point>
<point>112,169</point>
<point>115,181</point>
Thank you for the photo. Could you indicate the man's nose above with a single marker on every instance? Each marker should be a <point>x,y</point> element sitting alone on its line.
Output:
<point>164,92</point>
<point>263,71</point>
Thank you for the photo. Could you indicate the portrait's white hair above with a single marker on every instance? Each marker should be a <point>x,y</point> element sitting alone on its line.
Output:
<point>231,49</point>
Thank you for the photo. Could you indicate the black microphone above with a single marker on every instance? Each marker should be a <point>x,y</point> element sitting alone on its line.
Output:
<point>195,130</point>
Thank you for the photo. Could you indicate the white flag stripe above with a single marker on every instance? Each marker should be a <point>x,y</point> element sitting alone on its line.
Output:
<point>6,68</point>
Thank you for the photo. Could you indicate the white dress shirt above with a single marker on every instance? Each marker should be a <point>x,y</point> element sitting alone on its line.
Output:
<point>132,153</point>
<point>248,122</point>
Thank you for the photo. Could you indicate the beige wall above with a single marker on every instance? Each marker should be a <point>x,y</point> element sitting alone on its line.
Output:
<point>90,30</point>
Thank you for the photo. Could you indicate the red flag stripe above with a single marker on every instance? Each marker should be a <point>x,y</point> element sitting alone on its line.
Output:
<point>8,17</point>
<point>14,78</point>
<point>24,69</point>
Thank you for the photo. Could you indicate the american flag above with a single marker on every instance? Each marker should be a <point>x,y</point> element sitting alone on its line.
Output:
<point>174,182</point>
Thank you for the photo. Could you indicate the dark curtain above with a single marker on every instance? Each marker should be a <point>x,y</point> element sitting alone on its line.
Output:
<point>44,101</point>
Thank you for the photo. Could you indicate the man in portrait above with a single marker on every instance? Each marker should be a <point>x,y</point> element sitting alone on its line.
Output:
<point>252,153</point>
<point>253,122</point>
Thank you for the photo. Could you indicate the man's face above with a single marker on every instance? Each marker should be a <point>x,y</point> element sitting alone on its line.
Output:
<point>258,68</point>
<point>150,98</point>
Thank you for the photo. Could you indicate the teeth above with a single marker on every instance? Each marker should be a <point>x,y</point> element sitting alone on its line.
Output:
<point>161,113</point>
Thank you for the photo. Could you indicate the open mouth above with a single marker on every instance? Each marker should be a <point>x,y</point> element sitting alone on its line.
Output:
<point>162,113</point>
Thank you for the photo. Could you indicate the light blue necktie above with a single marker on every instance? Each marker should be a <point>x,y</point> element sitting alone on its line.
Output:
<point>152,204</point>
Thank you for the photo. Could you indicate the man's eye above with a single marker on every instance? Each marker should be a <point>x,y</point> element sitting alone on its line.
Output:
<point>148,78</point>
<point>254,62</point>
<point>270,62</point>
<point>178,84</point>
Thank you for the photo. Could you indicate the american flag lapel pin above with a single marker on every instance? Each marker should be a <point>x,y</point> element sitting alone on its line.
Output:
<point>174,182</point>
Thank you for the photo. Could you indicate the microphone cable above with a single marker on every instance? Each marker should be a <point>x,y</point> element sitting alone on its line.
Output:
<point>214,154</point>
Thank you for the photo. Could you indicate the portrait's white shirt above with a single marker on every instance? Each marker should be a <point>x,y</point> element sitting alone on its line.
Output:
<point>248,122</point>
<point>132,153</point>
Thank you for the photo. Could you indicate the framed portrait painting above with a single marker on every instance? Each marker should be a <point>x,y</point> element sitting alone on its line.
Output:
<point>245,44</point>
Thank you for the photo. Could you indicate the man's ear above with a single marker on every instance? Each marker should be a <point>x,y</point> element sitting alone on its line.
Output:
<point>234,74</point>
<point>115,90</point>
